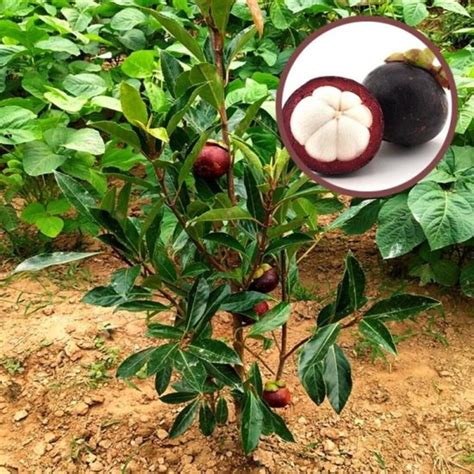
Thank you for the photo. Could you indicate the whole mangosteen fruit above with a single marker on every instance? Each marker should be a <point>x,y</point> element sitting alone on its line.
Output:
<point>212,162</point>
<point>276,394</point>
<point>265,279</point>
<point>335,125</point>
<point>409,88</point>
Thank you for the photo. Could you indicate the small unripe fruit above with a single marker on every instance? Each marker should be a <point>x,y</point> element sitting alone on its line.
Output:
<point>259,309</point>
<point>266,279</point>
<point>276,394</point>
<point>212,163</point>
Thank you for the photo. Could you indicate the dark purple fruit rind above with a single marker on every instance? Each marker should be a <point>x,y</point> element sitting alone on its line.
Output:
<point>277,399</point>
<point>266,283</point>
<point>213,162</point>
<point>376,129</point>
<point>414,105</point>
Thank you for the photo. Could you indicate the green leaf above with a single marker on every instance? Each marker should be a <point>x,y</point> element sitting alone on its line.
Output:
<point>445,216</point>
<point>58,44</point>
<point>280,16</point>
<point>251,423</point>
<point>255,378</point>
<point>58,206</point>
<point>273,319</point>
<point>176,398</point>
<point>126,19</point>
<point>282,243</point>
<point>138,306</point>
<point>397,232</point>
<point>32,212</point>
<point>133,106</point>
<point>184,420</point>
<point>214,351</point>
<point>39,159</point>
<point>119,131</point>
<point>315,350</point>
<point>337,378</point>
<point>250,114</point>
<point>196,302</point>
<point>313,382</point>
<point>400,307</point>
<point>64,101</point>
<point>414,12</point>
<point>45,260</point>
<point>350,294</point>
<point>51,226</point>
<point>85,85</point>
<point>163,331</point>
<point>222,412</point>
<point>86,140</point>
<point>350,215</point>
<point>254,198</point>
<point>176,30</point>
<point>452,6</point>
<point>239,42</point>
<point>225,214</point>
<point>376,332</point>
<point>132,364</point>
<point>171,69</point>
<point>277,423</point>
<point>207,419</point>
<point>140,64</point>
<point>192,157</point>
<point>161,357</point>
<point>220,10</point>
<point>226,240</point>
<point>242,301</point>
<point>192,370</point>
<point>215,300</point>
<point>17,125</point>
<point>76,194</point>
<point>213,92</point>
<point>162,379</point>
<point>466,279</point>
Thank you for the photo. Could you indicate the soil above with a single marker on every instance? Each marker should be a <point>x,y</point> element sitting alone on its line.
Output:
<point>62,410</point>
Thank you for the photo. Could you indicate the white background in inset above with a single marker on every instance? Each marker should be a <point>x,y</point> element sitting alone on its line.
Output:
<point>353,50</point>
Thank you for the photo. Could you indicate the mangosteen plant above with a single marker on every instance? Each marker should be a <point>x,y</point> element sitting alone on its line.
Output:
<point>221,223</point>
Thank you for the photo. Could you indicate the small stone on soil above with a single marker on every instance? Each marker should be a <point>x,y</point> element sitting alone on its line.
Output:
<point>20,415</point>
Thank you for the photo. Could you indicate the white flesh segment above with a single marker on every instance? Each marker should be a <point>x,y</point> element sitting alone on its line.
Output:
<point>352,138</point>
<point>361,114</point>
<point>323,145</point>
<point>349,100</point>
<point>331,124</point>
<point>315,108</point>
<point>331,95</point>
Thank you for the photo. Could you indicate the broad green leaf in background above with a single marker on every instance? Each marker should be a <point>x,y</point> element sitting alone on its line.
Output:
<point>445,216</point>
<point>220,10</point>
<point>466,114</point>
<point>140,64</point>
<point>87,140</point>
<point>120,132</point>
<point>452,6</point>
<point>414,11</point>
<point>39,262</point>
<point>133,106</point>
<point>64,101</point>
<point>39,159</point>
<point>226,214</point>
<point>127,19</point>
<point>280,15</point>
<point>84,85</point>
<point>51,226</point>
<point>59,45</point>
<point>397,232</point>
<point>17,125</point>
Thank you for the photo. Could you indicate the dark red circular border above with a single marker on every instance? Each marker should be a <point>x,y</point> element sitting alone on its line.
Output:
<point>319,179</point>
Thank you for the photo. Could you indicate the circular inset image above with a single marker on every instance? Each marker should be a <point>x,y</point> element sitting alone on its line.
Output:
<point>366,106</point>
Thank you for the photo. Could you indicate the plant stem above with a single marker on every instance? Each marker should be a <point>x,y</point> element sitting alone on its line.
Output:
<point>257,356</point>
<point>284,330</point>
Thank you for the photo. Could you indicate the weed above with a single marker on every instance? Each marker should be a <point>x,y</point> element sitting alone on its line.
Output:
<point>99,370</point>
<point>12,366</point>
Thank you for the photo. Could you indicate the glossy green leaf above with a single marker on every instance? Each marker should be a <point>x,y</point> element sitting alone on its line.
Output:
<point>161,357</point>
<point>45,260</point>
<point>162,379</point>
<point>213,92</point>
<point>207,419</point>
<point>226,240</point>
<point>337,378</point>
<point>164,331</point>
<point>376,332</point>
<point>313,382</point>
<point>132,364</point>
<point>400,307</point>
<point>184,420</point>
<point>251,423</point>
<point>297,238</point>
<point>225,214</point>
<point>176,398</point>
<point>214,351</point>
<point>222,412</point>
<point>272,319</point>
<point>133,106</point>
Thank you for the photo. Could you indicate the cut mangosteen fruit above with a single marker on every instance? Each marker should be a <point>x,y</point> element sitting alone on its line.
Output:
<point>213,161</point>
<point>409,88</point>
<point>335,125</point>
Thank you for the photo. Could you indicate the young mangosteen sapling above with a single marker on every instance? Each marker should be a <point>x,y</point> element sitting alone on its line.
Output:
<point>335,124</point>
<point>409,88</point>
<point>213,161</point>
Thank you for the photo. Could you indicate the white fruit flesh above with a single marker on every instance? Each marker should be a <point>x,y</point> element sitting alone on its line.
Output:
<point>332,124</point>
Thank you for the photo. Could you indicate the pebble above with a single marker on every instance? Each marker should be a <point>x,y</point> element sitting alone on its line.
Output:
<point>96,466</point>
<point>20,415</point>
<point>329,446</point>
<point>80,409</point>
<point>162,468</point>
<point>72,350</point>
<point>50,437</point>
<point>162,434</point>
<point>40,448</point>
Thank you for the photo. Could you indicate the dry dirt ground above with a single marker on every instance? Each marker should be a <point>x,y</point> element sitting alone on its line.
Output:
<point>62,410</point>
